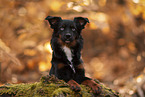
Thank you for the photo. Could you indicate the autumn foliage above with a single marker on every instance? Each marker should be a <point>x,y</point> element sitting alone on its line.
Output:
<point>114,40</point>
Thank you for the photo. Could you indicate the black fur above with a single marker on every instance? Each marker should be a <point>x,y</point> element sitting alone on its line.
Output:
<point>67,33</point>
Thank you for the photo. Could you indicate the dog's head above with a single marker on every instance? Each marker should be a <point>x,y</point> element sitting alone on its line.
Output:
<point>67,30</point>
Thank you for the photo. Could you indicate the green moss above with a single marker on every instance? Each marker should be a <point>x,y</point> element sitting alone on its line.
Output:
<point>50,86</point>
<point>61,91</point>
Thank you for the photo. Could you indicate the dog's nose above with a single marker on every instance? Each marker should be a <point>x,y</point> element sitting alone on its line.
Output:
<point>68,35</point>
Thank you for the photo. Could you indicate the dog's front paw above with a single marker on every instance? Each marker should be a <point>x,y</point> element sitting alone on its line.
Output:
<point>74,85</point>
<point>96,88</point>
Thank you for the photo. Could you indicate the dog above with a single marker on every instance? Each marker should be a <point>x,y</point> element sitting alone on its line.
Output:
<point>67,44</point>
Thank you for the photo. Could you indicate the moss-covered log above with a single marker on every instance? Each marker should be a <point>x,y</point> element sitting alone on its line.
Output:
<point>50,86</point>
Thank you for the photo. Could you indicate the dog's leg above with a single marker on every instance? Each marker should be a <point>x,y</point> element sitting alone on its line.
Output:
<point>65,73</point>
<point>80,78</point>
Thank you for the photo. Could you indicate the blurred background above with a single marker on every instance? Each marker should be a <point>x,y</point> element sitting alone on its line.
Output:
<point>114,41</point>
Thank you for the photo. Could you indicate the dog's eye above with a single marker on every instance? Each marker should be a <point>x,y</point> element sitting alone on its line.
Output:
<point>73,29</point>
<point>61,29</point>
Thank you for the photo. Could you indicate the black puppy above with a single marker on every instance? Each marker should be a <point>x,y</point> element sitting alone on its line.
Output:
<point>66,44</point>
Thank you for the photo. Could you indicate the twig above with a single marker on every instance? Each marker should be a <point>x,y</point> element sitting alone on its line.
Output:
<point>140,91</point>
<point>13,58</point>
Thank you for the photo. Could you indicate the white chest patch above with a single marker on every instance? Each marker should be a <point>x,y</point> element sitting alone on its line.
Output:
<point>68,53</point>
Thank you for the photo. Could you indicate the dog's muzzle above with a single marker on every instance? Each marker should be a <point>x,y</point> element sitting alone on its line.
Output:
<point>68,38</point>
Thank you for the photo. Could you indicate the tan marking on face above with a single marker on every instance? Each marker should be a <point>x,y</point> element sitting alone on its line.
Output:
<point>60,41</point>
<point>73,43</point>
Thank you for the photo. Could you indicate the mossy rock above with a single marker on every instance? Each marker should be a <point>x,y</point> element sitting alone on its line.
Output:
<point>50,86</point>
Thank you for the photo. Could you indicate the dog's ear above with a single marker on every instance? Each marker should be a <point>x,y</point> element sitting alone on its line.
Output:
<point>81,22</point>
<point>53,21</point>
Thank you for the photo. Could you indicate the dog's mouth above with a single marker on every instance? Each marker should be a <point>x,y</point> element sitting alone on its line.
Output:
<point>67,41</point>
